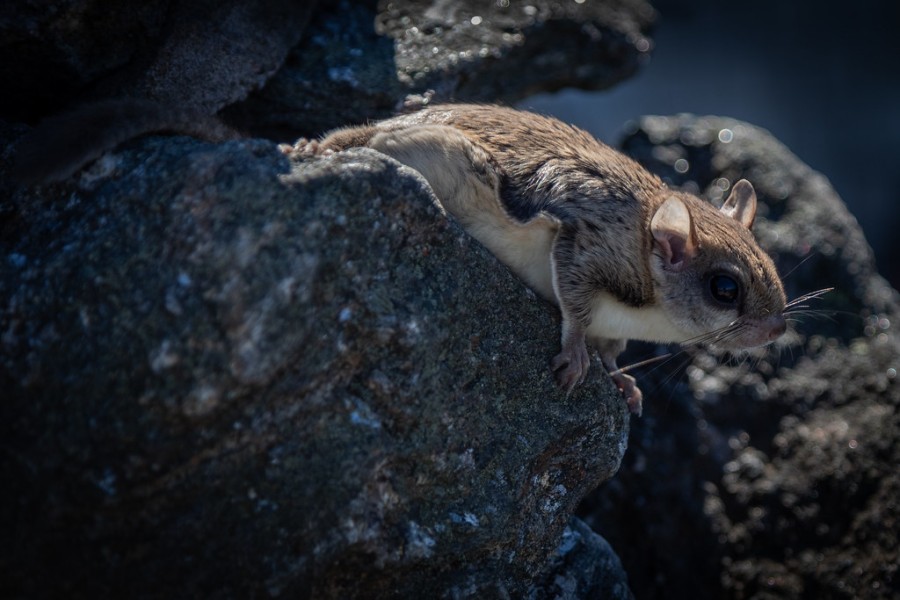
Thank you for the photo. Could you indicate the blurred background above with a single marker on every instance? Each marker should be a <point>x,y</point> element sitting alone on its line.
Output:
<point>823,77</point>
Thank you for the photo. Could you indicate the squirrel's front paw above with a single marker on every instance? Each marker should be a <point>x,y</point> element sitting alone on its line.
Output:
<point>571,366</point>
<point>632,393</point>
<point>304,148</point>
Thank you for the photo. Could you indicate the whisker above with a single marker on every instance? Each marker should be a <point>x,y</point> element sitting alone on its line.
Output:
<point>672,356</point>
<point>642,363</point>
<point>813,314</point>
<point>728,332</point>
<point>800,264</point>
<point>822,311</point>
<point>815,294</point>
<point>809,296</point>
<point>679,368</point>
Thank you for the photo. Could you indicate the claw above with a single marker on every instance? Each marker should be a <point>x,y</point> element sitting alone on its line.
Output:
<point>631,392</point>
<point>627,384</point>
<point>571,366</point>
<point>304,148</point>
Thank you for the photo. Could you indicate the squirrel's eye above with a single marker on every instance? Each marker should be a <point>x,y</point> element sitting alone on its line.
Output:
<point>723,288</point>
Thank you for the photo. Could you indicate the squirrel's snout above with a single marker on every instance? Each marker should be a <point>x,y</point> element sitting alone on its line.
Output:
<point>777,327</point>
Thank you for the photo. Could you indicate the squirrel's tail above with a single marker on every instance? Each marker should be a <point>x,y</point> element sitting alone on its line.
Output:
<point>62,144</point>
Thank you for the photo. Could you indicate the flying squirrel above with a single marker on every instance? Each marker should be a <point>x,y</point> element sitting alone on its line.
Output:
<point>622,255</point>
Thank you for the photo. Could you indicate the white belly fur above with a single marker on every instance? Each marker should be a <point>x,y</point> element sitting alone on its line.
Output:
<point>612,319</point>
<point>524,249</point>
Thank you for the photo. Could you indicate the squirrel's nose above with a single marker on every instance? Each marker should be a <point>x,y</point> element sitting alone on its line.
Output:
<point>777,327</point>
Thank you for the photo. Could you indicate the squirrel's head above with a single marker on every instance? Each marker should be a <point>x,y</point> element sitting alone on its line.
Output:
<point>710,275</point>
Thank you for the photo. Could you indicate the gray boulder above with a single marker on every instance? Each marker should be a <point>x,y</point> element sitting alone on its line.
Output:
<point>205,54</point>
<point>359,62</point>
<point>230,375</point>
<point>281,68</point>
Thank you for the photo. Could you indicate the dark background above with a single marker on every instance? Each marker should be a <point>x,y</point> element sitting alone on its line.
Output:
<point>823,77</point>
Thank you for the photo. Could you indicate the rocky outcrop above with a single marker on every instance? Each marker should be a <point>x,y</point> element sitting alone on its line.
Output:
<point>228,374</point>
<point>771,475</point>
<point>358,62</point>
<point>307,66</point>
<point>205,54</point>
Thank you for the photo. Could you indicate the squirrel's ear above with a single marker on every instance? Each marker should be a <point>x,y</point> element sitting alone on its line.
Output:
<point>673,233</point>
<point>741,203</point>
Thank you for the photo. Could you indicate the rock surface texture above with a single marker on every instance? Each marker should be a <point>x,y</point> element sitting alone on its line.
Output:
<point>356,60</point>
<point>360,62</point>
<point>772,475</point>
<point>205,54</point>
<point>230,374</point>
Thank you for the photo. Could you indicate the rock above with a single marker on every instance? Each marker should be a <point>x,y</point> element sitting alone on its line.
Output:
<point>774,476</point>
<point>361,63</point>
<point>584,566</point>
<point>191,53</point>
<point>228,375</point>
<point>355,62</point>
<point>216,52</point>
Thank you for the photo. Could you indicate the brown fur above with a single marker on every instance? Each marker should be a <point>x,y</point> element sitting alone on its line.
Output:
<point>602,199</point>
